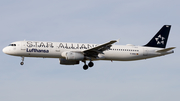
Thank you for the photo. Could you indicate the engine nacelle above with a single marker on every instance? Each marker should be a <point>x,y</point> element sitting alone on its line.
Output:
<point>73,55</point>
<point>68,62</point>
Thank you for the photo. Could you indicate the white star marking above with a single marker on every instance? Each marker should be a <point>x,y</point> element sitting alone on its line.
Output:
<point>160,40</point>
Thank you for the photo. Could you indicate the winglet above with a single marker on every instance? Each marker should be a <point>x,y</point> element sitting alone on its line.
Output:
<point>117,40</point>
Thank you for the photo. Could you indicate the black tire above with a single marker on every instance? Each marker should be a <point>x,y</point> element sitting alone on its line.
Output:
<point>85,67</point>
<point>90,64</point>
<point>22,63</point>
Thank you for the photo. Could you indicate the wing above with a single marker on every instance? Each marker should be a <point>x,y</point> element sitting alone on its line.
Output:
<point>93,52</point>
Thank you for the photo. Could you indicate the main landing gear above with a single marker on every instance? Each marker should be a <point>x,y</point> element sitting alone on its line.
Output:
<point>22,63</point>
<point>90,64</point>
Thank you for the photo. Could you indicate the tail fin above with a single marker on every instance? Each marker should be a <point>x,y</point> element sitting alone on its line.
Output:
<point>160,39</point>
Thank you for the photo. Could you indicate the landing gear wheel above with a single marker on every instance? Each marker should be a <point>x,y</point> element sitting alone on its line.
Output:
<point>85,67</point>
<point>90,64</point>
<point>22,63</point>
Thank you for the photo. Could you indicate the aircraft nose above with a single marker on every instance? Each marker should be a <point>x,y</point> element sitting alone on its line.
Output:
<point>5,50</point>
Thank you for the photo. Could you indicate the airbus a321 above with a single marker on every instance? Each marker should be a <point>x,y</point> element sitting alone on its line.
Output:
<point>73,53</point>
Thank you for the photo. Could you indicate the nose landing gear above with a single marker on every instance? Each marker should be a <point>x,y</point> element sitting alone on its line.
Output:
<point>22,63</point>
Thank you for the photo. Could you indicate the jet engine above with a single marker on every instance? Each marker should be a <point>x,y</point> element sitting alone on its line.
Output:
<point>68,62</point>
<point>73,55</point>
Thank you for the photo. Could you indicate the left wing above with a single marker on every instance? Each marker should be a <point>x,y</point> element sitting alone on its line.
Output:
<point>93,52</point>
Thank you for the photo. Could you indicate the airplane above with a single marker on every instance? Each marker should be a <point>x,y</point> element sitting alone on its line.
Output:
<point>73,53</point>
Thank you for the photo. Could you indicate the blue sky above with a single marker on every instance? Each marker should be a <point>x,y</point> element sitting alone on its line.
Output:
<point>90,21</point>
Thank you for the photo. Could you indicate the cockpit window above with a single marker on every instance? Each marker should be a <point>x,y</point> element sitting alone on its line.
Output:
<point>12,44</point>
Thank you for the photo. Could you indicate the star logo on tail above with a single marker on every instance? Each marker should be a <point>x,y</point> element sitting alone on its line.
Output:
<point>160,40</point>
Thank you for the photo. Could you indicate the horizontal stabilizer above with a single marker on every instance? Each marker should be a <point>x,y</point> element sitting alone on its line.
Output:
<point>166,49</point>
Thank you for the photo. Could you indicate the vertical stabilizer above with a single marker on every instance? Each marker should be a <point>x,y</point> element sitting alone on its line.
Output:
<point>160,39</point>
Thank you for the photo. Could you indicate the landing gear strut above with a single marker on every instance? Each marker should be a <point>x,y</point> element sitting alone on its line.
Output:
<point>22,63</point>
<point>85,67</point>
